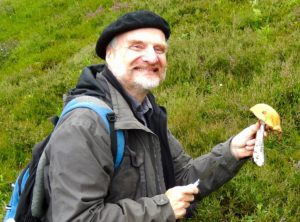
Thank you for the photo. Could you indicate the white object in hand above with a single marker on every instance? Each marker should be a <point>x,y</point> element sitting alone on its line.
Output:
<point>196,183</point>
<point>258,154</point>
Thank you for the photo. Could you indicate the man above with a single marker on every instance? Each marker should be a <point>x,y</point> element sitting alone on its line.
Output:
<point>155,179</point>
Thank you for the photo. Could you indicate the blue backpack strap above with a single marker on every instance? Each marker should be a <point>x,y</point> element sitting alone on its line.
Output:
<point>14,200</point>
<point>120,147</point>
<point>102,112</point>
<point>22,179</point>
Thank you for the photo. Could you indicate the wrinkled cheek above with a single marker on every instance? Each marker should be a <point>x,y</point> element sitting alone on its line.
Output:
<point>121,69</point>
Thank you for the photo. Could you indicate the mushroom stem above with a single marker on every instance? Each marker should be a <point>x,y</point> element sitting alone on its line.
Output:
<point>258,154</point>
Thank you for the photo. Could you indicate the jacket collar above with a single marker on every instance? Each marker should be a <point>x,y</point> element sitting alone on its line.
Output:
<point>125,117</point>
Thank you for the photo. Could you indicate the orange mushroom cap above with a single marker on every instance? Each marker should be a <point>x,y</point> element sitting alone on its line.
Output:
<point>267,114</point>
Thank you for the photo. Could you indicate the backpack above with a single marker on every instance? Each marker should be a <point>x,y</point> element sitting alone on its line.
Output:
<point>22,206</point>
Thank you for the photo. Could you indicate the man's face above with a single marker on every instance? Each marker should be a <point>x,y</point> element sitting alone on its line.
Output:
<point>138,58</point>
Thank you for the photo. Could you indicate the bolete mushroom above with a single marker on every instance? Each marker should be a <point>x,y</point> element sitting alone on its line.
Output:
<point>267,116</point>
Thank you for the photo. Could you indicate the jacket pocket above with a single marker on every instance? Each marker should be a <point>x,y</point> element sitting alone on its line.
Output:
<point>126,182</point>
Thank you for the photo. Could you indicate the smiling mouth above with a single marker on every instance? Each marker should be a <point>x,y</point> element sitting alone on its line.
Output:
<point>155,69</point>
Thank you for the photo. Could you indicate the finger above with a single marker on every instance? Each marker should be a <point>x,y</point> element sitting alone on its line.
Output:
<point>249,149</point>
<point>250,143</point>
<point>181,214</point>
<point>188,198</point>
<point>190,189</point>
<point>184,204</point>
<point>254,128</point>
<point>187,205</point>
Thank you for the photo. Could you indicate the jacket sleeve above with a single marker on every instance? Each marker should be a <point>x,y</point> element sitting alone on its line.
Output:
<point>79,173</point>
<point>213,169</point>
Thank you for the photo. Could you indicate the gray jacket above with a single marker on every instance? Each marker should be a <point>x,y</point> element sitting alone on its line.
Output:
<point>82,185</point>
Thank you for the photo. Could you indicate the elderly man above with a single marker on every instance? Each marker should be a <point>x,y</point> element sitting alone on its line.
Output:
<point>155,181</point>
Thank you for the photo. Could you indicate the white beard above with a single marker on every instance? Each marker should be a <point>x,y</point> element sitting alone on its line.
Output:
<point>141,81</point>
<point>147,83</point>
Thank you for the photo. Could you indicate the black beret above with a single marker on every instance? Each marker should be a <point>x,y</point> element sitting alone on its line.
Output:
<point>128,22</point>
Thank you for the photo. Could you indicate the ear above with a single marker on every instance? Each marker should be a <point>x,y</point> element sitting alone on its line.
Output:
<point>109,54</point>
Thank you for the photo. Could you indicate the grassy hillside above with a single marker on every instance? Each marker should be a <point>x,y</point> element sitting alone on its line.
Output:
<point>225,56</point>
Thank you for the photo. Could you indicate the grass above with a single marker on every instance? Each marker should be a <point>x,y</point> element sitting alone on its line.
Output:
<point>225,56</point>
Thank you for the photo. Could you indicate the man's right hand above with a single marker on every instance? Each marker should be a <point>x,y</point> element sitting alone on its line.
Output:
<point>180,198</point>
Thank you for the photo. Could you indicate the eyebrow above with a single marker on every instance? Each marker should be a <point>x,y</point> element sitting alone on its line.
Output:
<point>164,44</point>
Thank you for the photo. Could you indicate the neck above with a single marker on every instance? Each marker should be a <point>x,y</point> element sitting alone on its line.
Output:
<point>137,93</point>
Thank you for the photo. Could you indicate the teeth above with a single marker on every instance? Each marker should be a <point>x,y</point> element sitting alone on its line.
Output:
<point>258,154</point>
<point>147,69</point>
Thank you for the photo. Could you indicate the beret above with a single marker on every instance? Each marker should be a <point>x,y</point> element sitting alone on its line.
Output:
<point>131,21</point>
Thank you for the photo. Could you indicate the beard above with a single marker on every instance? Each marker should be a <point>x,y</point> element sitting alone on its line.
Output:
<point>146,83</point>
<point>140,81</point>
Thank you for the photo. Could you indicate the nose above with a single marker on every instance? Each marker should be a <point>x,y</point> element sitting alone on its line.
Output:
<point>150,55</point>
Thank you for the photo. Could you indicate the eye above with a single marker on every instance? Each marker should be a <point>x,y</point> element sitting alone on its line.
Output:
<point>160,49</point>
<point>136,47</point>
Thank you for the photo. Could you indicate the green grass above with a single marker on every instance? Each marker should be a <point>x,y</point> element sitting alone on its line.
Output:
<point>225,56</point>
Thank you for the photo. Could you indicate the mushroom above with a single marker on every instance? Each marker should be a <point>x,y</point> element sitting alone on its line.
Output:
<point>267,116</point>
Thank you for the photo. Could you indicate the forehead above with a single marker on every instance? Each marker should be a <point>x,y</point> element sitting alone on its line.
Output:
<point>148,35</point>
